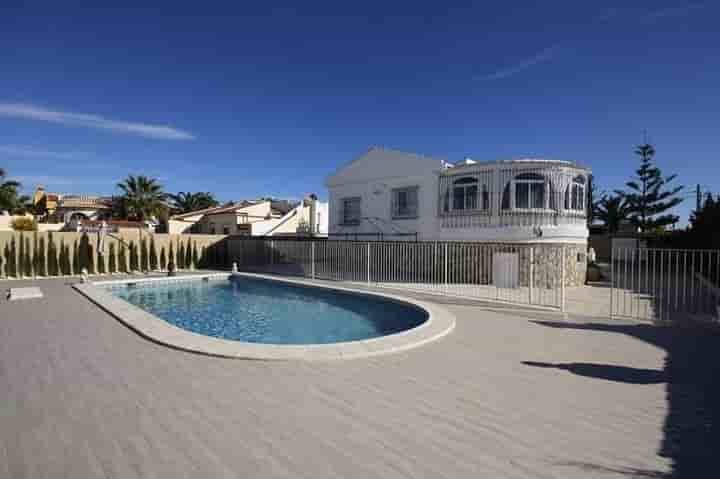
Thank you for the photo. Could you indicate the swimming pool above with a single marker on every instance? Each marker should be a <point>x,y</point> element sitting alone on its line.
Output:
<point>257,310</point>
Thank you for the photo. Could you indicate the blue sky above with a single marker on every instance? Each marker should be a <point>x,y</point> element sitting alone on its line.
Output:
<point>250,99</point>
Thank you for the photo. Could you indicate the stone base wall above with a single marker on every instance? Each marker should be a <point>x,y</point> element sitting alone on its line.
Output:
<point>546,265</point>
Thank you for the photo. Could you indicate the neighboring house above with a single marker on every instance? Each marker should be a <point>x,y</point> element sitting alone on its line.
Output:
<point>392,195</point>
<point>66,208</point>
<point>256,218</point>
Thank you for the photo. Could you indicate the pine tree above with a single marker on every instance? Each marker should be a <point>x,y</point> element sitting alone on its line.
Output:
<point>180,255</point>
<point>144,263</point>
<point>52,262</point>
<point>112,266</point>
<point>650,195</point>
<point>163,259</point>
<point>27,260</point>
<point>195,258</point>
<point>188,255</point>
<point>41,261</point>
<point>153,255</point>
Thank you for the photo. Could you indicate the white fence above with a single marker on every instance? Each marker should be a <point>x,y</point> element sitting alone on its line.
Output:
<point>521,274</point>
<point>665,284</point>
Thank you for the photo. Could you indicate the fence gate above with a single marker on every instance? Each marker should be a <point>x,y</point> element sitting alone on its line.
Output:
<point>524,274</point>
<point>665,284</point>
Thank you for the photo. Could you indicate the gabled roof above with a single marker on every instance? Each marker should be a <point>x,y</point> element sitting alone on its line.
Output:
<point>379,163</point>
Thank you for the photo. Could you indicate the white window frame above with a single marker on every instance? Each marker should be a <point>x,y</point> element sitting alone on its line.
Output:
<point>540,180</point>
<point>394,203</point>
<point>343,211</point>
<point>575,199</point>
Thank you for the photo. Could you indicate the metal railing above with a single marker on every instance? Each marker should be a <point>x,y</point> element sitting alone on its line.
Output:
<point>665,284</point>
<point>522,274</point>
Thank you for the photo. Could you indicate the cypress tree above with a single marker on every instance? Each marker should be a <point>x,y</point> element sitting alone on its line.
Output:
<point>122,260</point>
<point>134,263</point>
<point>203,257</point>
<point>52,262</point>
<point>188,255</point>
<point>112,266</point>
<point>100,263</point>
<point>195,258</point>
<point>20,270</point>
<point>61,258</point>
<point>6,253</point>
<point>85,254</point>
<point>144,266</point>
<point>27,259</point>
<point>36,254</point>
<point>171,258</point>
<point>76,258</point>
<point>13,258</point>
<point>40,267</point>
<point>163,259</point>
<point>153,255</point>
<point>90,259</point>
<point>180,256</point>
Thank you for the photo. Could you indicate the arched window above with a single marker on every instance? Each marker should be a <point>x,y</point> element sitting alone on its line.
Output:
<point>575,194</point>
<point>529,192</point>
<point>465,194</point>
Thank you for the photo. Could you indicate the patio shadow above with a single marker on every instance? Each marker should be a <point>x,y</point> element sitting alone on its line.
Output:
<point>692,363</point>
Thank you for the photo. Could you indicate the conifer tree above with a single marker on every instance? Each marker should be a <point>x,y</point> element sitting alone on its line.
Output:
<point>180,255</point>
<point>163,259</point>
<point>27,260</point>
<point>134,262</point>
<point>76,268</point>
<point>153,254</point>
<point>36,255</point>
<point>195,258</point>
<point>100,263</point>
<point>61,258</point>
<point>122,259</point>
<point>21,257</point>
<point>13,258</point>
<point>144,263</point>
<point>52,261</point>
<point>6,254</point>
<point>649,194</point>
<point>171,258</point>
<point>85,254</point>
<point>41,262</point>
<point>112,266</point>
<point>188,255</point>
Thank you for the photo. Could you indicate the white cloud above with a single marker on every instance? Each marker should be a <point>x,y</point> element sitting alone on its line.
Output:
<point>32,152</point>
<point>32,112</point>
<point>543,56</point>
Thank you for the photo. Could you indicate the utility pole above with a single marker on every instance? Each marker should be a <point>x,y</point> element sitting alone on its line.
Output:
<point>698,200</point>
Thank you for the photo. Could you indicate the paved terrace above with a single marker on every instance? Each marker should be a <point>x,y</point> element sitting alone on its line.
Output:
<point>509,394</point>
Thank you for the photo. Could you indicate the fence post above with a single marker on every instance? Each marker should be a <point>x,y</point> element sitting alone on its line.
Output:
<point>563,265</point>
<point>531,275</point>
<point>312,259</point>
<point>446,267</point>
<point>612,280</point>
<point>368,262</point>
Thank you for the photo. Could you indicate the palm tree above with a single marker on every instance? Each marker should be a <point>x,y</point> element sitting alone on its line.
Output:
<point>142,198</point>
<point>612,211</point>
<point>184,202</point>
<point>10,199</point>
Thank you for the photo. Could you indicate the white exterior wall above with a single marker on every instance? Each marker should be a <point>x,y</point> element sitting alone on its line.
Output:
<point>372,177</point>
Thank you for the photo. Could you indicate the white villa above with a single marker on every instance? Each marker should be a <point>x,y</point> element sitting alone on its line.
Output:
<point>391,195</point>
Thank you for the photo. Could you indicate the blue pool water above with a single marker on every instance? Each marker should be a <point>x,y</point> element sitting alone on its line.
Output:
<point>265,311</point>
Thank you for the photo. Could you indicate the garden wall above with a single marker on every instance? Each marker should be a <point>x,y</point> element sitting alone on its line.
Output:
<point>31,254</point>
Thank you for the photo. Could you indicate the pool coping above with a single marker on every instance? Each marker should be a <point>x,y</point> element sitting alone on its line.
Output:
<point>440,322</point>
